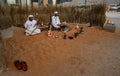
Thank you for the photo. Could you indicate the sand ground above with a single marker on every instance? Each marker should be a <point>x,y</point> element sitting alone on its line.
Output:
<point>94,53</point>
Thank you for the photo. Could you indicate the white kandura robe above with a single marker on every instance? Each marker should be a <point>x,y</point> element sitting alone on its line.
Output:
<point>55,21</point>
<point>30,28</point>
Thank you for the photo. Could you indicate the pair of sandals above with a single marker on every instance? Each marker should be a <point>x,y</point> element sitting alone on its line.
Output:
<point>21,65</point>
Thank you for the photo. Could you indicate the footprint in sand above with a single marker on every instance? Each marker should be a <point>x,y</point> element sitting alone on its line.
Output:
<point>75,60</point>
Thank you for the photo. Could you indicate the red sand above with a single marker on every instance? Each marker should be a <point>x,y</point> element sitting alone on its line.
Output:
<point>94,53</point>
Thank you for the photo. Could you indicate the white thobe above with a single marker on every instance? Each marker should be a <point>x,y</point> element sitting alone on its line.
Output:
<point>30,28</point>
<point>55,21</point>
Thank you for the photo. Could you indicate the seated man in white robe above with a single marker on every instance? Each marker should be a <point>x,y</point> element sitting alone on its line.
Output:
<point>56,21</point>
<point>31,27</point>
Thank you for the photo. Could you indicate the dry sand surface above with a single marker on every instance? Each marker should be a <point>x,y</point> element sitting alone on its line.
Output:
<point>94,53</point>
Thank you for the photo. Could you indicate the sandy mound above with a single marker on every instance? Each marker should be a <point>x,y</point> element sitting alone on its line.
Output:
<point>94,53</point>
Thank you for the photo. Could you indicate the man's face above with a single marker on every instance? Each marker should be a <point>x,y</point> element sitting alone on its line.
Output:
<point>56,14</point>
<point>30,18</point>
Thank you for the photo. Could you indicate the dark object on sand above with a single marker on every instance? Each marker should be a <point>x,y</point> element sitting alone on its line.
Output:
<point>21,65</point>
<point>17,64</point>
<point>64,26</point>
<point>70,37</point>
<point>76,34</point>
<point>64,37</point>
<point>24,66</point>
<point>56,29</point>
<point>81,29</point>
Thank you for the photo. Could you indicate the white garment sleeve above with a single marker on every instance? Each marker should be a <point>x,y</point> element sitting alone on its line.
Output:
<point>53,20</point>
<point>35,22</point>
<point>58,20</point>
<point>25,25</point>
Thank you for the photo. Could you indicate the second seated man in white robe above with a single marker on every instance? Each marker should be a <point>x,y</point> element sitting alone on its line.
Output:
<point>56,21</point>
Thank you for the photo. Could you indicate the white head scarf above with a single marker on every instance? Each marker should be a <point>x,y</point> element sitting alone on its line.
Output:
<point>56,12</point>
<point>30,16</point>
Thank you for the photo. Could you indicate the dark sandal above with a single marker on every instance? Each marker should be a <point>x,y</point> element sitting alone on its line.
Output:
<point>18,64</point>
<point>24,66</point>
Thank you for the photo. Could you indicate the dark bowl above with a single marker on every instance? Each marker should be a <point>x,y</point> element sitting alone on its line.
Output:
<point>70,37</point>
